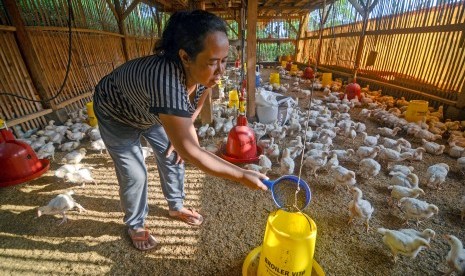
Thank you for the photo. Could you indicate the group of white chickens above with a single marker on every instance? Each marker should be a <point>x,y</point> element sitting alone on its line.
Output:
<point>65,138</point>
<point>329,118</point>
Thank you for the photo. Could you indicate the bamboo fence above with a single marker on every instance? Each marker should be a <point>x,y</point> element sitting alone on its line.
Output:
<point>416,45</point>
<point>96,50</point>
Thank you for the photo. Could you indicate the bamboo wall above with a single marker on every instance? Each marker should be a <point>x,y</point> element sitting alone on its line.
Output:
<point>421,49</point>
<point>96,50</point>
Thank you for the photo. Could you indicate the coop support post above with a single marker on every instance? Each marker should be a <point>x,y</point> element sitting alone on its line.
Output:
<point>324,17</point>
<point>251,56</point>
<point>122,30</point>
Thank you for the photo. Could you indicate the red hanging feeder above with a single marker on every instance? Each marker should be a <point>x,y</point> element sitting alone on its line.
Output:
<point>308,73</point>
<point>353,89</point>
<point>18,161</point>
<point>241,146</point>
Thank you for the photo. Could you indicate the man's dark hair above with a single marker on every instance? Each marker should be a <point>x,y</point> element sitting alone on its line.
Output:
<point>187,31</point>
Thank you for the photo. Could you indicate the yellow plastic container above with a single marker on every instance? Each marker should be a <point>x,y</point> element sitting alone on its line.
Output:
<point>274,78</point>
<point>92,120</point>
<point>416,110</point>
<point>288,245</point>
<point>294,68</point>
<point>233,99</point>
<point>327,79</point>
<point>250,265</point>
<point>283,63</point>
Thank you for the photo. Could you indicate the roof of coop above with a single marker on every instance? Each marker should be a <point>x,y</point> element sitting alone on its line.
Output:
<point>230,9</point>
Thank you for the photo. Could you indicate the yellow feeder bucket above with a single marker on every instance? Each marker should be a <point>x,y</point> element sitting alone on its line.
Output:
<point>274,78</point>
<point>233,99</point>
<point>90,113</point>
<point>288,245</point>
<point>327,79</point>
<point>283,63</point>
<point>416,110</point>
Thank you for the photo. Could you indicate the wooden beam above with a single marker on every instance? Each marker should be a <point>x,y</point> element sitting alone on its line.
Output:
<point>72,100</point>
<point>26,48</point>
<point>417,30</point>
<point>112,8</point>
<point>397,87</point>
<point>324,17</point>
<point>251,56</point>
<point>357,6</point>
<point>122,29</point>
<point>232,29</point>
<point>300,45</point>
<point>7,28</point>
<point>130,9</point>
<point>28,117</point>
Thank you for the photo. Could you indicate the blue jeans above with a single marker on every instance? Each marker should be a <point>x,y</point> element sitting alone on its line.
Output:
<point>123,145</point>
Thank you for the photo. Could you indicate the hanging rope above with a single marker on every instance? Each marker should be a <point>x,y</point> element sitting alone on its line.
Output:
<point>308,114</point>
<point>68,66</point>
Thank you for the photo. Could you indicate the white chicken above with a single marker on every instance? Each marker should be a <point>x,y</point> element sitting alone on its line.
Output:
<point>360,208</point>
<point>385,131</point>
<point>67,168</point>
<point>432,147</point>
<point>343,176</point>
<point>47,150</point>
<point>427,135</point>
<point>436,175</point>
<point>69,146</point>
<point>59,205</point>
<point>398,178</point>
<point>455,258</point>
<point>273,152</point>
<point>81,176</point>
<point>98,145</point>
<point>369,141</point>
<point>398,192</point>
<point>287,163</point>
<point>367,152</point>
<point>344,155</point>
<point>417,154</point>
<point>417,209</point>
<point>315,162</point>
<point>257,168</point>
<point>401,243</point>
<point>427,234</point>
<point>74,136</point>
<point>390,155</point>
<point>401,168</point>
<point>264,162</point>
<point>333,161</point>
<point>369,167</point>
<point>202,131</point>
<point>74,157</point>
<point>94,134</point>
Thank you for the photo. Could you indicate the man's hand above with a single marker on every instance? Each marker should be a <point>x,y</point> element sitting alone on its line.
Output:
<point>171,150</point>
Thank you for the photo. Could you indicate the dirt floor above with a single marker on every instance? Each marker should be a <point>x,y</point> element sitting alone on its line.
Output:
<point>95,242</point>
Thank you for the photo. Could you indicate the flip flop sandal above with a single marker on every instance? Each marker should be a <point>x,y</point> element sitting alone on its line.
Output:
<point>195,218</point>
<point>141,236</point>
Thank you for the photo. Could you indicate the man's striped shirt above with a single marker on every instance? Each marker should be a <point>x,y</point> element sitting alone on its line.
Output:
<point>137,91</point>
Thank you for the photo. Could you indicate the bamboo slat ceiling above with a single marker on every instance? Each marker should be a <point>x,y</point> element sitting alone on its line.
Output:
<point>229,9</point>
